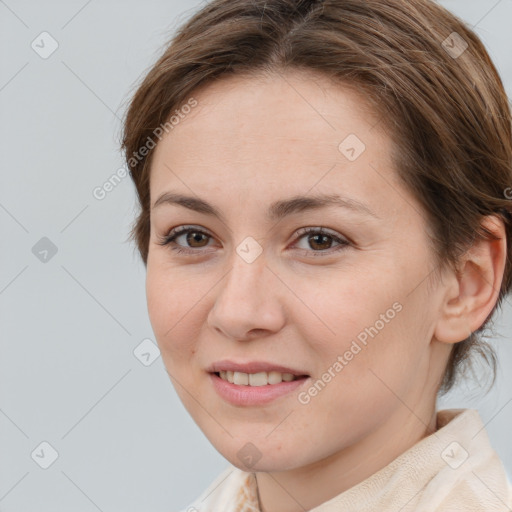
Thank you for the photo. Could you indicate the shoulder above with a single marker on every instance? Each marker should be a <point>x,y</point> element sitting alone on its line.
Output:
<point>230,488</point>
<point>471,476</point>
<point>484,487</point>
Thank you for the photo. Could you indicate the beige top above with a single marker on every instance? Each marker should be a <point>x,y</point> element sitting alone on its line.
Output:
<point>454,469</point>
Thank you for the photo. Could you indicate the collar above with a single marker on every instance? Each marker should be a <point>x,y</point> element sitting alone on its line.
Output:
<point>454,468</point>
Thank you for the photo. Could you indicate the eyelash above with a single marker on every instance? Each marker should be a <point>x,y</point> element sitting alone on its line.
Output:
<point>170,238</point>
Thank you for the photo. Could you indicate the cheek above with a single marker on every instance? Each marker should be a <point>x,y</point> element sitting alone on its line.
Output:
<point>361,325</point>
<point>344,307</point>
<point>174,305</point>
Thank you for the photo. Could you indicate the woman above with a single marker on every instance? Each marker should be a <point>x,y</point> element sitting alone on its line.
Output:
<point>325,225</point>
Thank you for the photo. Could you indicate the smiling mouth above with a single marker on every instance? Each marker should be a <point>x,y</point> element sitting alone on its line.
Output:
<point>258,379</point>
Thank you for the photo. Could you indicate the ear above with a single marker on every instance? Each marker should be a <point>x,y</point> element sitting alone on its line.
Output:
<point>472,291</point>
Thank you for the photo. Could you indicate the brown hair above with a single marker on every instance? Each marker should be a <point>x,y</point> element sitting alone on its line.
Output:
<point>444,104</point>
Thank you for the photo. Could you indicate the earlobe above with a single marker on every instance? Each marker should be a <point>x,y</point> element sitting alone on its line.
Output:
<point>472,292</point>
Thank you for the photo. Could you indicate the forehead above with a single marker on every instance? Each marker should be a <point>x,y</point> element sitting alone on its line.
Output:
<point>297,130</point>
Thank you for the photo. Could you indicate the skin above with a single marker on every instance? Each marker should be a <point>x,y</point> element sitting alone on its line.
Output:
<point>248,143</point>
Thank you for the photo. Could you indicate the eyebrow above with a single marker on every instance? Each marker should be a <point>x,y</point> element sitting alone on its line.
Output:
<point>276,211</point>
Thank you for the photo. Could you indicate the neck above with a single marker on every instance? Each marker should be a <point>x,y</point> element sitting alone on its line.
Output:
<point>305,488</point>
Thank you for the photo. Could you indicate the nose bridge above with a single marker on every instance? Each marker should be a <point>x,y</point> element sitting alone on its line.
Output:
<point>245,281</point>
<point>245,301</point>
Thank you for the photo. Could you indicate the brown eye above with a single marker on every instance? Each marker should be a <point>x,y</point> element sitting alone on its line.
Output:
<point>194,240</point>
<point>196,237</point>
<point>320,241</point>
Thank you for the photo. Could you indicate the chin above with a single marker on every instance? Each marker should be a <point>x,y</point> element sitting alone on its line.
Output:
<point>254,454</point>
<point>263,464</point>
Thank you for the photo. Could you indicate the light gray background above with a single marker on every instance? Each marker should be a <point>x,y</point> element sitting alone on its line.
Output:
<point>69,326</point>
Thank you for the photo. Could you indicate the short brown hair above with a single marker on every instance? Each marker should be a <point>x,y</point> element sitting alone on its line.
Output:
<point>446,110</point>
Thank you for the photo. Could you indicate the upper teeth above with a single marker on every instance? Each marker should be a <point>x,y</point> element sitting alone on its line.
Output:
<point>256,379</point>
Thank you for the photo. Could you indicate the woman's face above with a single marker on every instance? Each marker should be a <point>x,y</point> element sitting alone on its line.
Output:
<point>350,311</point>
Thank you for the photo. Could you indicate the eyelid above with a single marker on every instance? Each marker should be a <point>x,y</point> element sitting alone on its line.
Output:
<point>173,233</point>
<point>320,229</point>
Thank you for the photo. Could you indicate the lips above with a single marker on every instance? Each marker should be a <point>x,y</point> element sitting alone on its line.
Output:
<point>255,383</point>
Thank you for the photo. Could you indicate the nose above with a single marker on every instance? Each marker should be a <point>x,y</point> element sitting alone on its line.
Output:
<point>249,302</point>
